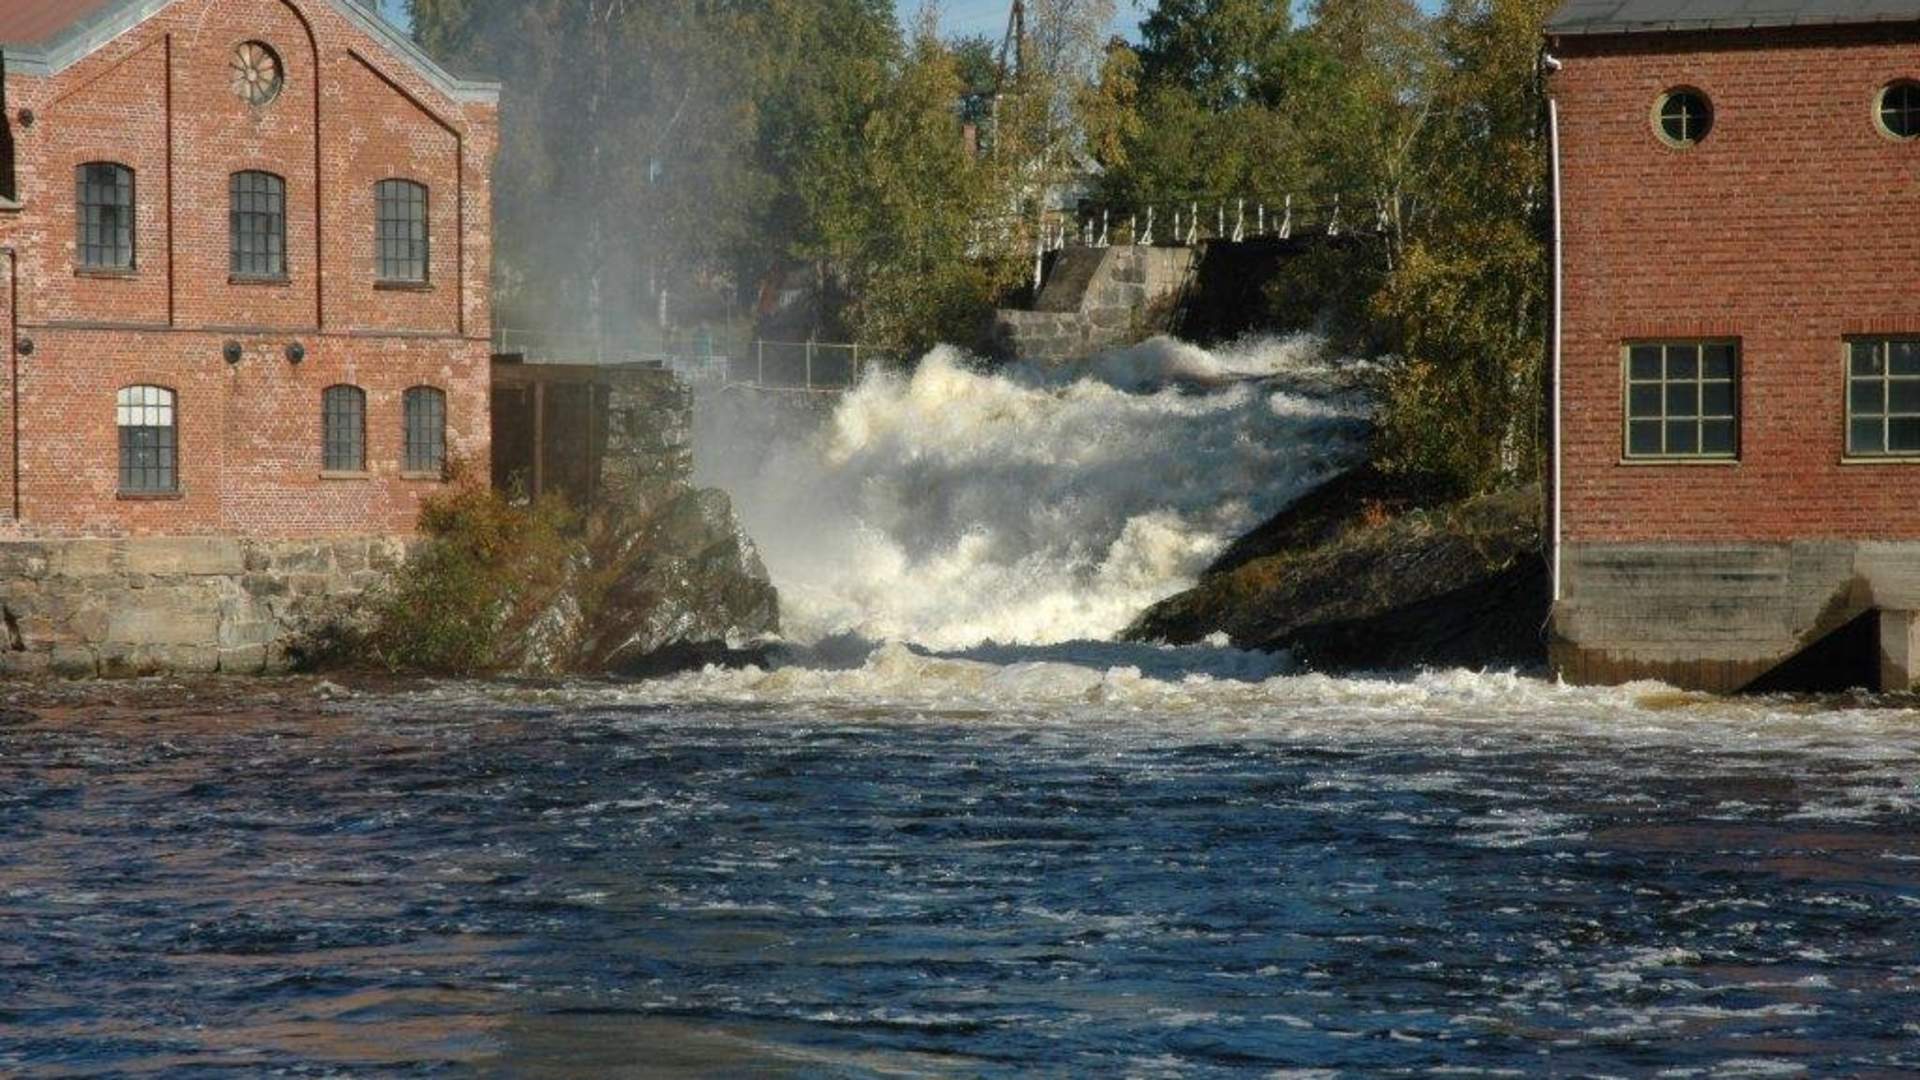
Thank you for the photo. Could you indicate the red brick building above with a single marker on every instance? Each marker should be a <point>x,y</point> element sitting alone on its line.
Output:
<point>1737,340</point>
<point>247,289</point>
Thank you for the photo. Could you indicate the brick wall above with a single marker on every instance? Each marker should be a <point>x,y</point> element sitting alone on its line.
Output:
<point>1789,227</point>
<point>157,99</point>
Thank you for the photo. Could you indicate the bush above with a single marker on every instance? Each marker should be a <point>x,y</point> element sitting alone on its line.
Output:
<point>485,570</point>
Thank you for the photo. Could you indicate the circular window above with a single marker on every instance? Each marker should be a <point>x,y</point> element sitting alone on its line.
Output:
<point>1682,117</point>
<point>257,75</point>
<point>1899,109</point>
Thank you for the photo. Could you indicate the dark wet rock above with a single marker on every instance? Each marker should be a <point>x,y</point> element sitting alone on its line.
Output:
<point>1364,575</point>
<point>661,576</point>
<point>687,578</point>
<point>672,659</point>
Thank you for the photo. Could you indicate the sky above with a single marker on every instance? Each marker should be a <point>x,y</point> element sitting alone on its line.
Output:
<point>957,17</point>
<point>989,17</point>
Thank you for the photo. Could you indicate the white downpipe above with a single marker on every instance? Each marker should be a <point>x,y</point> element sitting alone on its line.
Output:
<point>1559,289</point>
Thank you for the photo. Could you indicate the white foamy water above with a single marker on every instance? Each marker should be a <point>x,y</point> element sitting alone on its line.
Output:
<point>1031,505</point>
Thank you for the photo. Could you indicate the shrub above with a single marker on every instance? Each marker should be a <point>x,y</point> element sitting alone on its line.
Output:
<point>484,572</point>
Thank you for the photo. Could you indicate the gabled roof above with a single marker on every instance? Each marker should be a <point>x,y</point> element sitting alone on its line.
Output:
<point>1653,16</point>
<point>45,37</point>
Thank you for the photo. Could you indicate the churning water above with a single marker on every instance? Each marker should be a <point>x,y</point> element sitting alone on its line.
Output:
<point>1031,504</point>
<point>993,844</point>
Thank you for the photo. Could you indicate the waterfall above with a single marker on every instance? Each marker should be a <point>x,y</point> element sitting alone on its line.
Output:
<point>959,505</point>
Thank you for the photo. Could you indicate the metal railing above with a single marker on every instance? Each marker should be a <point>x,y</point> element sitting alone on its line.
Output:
<point>807,366</point>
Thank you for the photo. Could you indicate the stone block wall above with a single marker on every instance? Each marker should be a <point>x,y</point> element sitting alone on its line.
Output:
<point>120,607</point>
<point>1097,298</point>
<point>649,433</point>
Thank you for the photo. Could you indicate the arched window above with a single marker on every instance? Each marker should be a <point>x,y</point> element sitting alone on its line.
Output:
<point>149,449</point>
<point>400,209</point>
<point>103,221</point>
<point>258,203</point>
<point>426,434</point>
<point>343,414</point>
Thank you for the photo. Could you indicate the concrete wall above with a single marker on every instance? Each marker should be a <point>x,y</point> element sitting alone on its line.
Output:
<point>1095,298</point>
<point>190,604</point>
<point>1721,616</point>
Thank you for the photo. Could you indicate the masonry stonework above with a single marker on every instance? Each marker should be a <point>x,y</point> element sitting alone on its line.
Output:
<point>1789,228</point>
<point>1095,298</point>
<point>149,605</point>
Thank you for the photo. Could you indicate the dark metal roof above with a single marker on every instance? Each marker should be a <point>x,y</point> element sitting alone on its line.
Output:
<point>29,22</point>
<point>1652,16</point>
<point>44,37</point>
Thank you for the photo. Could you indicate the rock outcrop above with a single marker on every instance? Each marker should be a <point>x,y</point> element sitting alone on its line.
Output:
<point>664,575</point>
<point>1361,575</point>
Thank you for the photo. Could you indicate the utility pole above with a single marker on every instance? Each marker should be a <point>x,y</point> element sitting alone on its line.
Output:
<point>1013,46</point>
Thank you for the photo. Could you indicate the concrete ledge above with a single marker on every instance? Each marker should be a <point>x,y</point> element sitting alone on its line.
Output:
<point>1723,616</point>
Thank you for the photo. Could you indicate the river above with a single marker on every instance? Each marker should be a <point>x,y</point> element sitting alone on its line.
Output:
<point>953,867</point>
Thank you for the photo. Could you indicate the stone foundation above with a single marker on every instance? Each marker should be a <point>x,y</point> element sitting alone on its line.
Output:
<point>1727,617</point>
<point>1095,298</point>
<point>143,606</point>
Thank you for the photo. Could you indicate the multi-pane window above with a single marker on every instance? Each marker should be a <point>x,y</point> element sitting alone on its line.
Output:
<point>259,225</point>
<point>103,222</point>
<point>425,409</point>
<point>149,449</point>
<point>1883,397</point>
<point>401,237</point>
<point>343,414</point>
<point>1681,401</point>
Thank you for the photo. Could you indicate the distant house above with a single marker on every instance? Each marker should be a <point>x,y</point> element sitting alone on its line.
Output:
<point>1737,409</point>
<point>250,261</point>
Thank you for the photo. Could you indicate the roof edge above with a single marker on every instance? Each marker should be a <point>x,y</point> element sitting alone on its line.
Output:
<point>1601,28</point>
<point>88,35</point>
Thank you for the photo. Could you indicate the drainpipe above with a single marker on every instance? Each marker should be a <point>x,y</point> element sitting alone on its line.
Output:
<point>13,361</point>
<point>1553,143</point>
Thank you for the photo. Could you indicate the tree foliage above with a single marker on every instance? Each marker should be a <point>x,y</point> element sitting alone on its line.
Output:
<point>1468,301</point>
<point>1428,130</point>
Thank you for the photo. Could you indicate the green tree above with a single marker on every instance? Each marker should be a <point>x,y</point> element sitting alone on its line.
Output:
<point>1222,52</point>
<point>1468,300</point>
<point>909,224</point>
<point>1204,110</point>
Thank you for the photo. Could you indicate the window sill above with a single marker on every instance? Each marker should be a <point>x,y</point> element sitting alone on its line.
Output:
<point>1883,459</point>
<point>402,286</point>
<point>150,496</point>
<point>345,474</point>
<point>1681,462</point>
<point>415,474</point>
<point>105,273</point>
<point>243,279</point>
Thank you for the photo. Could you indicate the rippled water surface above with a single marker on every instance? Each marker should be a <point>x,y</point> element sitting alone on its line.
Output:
<point>888,872</point>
